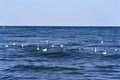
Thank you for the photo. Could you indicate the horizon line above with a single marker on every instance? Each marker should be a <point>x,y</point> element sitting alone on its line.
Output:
<point>63,25</point>
<point>59,26</point>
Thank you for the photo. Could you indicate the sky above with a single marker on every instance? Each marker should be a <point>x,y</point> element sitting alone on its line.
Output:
<point>60,12</point>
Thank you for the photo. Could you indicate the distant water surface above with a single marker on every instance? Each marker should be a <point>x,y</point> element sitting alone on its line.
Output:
<point>22,56</point>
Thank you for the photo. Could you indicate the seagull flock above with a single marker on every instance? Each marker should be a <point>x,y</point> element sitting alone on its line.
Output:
<point>44,49</point>
<point>61,46</point>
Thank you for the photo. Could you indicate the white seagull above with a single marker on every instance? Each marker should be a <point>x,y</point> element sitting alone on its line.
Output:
<point>52,45</point>
<point>79,49</point>
<point>22,45</point>
<point>61,45</point>
<point>102,42</point>
<point>6,46</point>
<point>115,49</point>
<point>38,48</point>
<point>46,41</point>
<point>95,50</point>
<point>44,50</point>
<point>14,44</point>
<point>104,53</point>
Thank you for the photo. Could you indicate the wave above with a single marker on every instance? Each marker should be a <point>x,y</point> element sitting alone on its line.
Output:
<point>104,46</point>
<point>41,68</point>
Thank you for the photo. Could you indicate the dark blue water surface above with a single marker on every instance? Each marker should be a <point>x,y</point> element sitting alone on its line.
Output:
<point>77,60</point>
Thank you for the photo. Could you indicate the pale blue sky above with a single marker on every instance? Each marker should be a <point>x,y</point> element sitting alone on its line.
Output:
<point>60,12</point>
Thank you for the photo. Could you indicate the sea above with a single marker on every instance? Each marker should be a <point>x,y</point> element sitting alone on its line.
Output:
<point>59,53</point>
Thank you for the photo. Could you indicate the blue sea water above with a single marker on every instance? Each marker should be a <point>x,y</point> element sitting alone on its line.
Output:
<point>77,60</point>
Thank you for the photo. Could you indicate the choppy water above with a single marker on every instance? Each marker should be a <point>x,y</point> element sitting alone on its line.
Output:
<point>77,60</point>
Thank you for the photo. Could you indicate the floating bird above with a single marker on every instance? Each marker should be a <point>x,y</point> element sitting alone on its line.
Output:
<point>115,49</point>
<point>44,50</point>
<point>61,46</point>
<point>22,45</point>
<point>6,46</point>
<point>104,53</point>
<point>102,42</point>
<point>38,48</point>
<point>79,49</point>
<point>52,45</point>
<point>46,41</point>
<point>14,44</point>
<point>94,49</point>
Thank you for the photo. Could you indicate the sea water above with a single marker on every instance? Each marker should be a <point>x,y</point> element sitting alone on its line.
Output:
<point>35,53</point>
